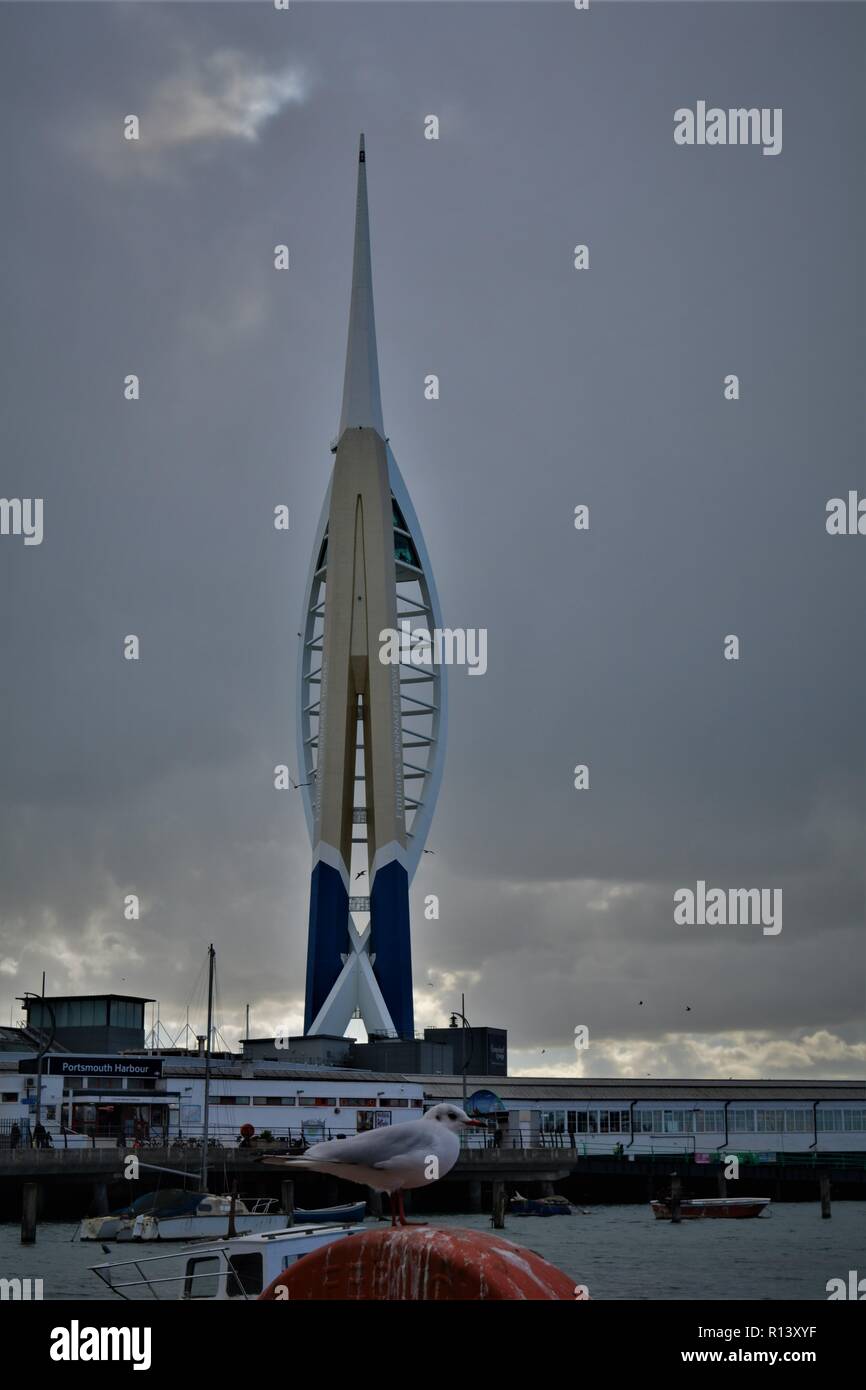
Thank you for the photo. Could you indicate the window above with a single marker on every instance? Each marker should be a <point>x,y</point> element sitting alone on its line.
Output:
<point>855,1120</point>
<point>798,1121</point>
<point>392,1104</point>
<point>741,1121</point>
<point>369,1102</point>
<point>404,551</point>
<point>643,1121</point>
<point>245,1275</point>
<point>202,1277</point>
<point>770,1121</point>
<point>829,1121</point>
<point>551,1121</point>
<point>323,1100</point>
<point>9,1097</point>
<point>108,1083</point>
<point>228,1100</point>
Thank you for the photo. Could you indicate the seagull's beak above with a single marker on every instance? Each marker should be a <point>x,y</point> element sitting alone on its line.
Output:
<point>477,1123</point>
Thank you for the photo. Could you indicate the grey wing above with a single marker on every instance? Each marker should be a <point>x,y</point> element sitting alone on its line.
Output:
<point>373,1147</point>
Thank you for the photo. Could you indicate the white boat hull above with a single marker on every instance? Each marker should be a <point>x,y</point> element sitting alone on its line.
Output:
<point>194,1227</point>
<point>220,1271</point>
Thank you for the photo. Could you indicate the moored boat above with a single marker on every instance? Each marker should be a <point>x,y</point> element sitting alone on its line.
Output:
<point>184,1216</point>
<point>236,1269</point>
<point>538,1206</point>
<point>323,1216</point>
<point>698,1207</point>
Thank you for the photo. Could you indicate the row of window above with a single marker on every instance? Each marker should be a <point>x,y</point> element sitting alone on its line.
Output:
<point>363,1102</point>
<point>740,1121</point>
<point>87,1013</point>
<point>108,1083</point>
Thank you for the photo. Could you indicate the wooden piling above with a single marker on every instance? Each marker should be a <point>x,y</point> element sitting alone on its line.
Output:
<point>232,1230</point>
<point>499,1205</point>
<point>287,1194</point>
<point>722,1183</point>
<point>29,1202</point>
<point>826,1213</point>
<point>676,1197</point>
<point>374,1203</point>
<point>475,1195</point>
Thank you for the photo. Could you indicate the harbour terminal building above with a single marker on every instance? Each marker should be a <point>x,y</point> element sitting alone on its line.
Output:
<point>325,1087</point>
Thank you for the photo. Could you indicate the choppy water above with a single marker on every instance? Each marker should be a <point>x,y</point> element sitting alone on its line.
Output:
<point>617,1251</point>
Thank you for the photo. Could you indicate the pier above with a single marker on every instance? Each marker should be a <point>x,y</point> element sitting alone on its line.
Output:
<point>73,1183</point>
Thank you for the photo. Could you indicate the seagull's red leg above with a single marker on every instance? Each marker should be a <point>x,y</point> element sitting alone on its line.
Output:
<point>403,1221</point>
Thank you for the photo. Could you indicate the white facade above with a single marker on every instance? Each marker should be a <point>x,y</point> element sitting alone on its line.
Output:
<point>322,1103</point>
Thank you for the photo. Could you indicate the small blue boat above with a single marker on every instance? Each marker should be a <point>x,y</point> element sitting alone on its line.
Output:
<point>330,1216</point>
<point>539,1206</point>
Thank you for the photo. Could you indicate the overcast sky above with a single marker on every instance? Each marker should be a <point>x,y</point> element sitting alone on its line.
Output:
<point>558,387</point>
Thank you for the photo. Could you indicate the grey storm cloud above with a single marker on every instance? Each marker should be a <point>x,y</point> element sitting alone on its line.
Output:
<point>558,388</point>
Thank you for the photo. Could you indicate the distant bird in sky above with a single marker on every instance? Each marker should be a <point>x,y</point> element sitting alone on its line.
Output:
<point>413,1153</point>
<point>298,785</point>
<point>544,1049</point>
<point>360,873</point>
<point>429,851</point>
<point>640,1002</point>
<point>688,1008</point>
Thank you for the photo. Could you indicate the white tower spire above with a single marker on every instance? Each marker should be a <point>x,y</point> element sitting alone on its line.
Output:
<point>362,403</point>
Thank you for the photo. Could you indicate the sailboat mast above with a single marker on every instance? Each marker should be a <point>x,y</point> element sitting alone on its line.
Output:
<point>204,1129</point>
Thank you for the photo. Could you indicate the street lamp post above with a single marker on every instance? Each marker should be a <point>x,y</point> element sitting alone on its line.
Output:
<point>464,1024</point>
<point>45,1046</point>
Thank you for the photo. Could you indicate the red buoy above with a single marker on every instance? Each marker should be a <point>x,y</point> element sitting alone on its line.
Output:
<point>422,1263</point>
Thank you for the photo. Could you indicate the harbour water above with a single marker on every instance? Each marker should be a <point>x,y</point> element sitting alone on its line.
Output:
<point>618,1252</point>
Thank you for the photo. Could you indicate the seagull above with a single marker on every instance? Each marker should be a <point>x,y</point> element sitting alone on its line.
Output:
<point>640,1003</point>
<point>429,851</point>
<point>298,785</point>
<point>360,874</point>
<point>688,1008</point>
<point>390,1160</point>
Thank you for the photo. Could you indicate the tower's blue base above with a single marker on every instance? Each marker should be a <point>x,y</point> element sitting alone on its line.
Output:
<point>391,945</point>
<point>328,937</point>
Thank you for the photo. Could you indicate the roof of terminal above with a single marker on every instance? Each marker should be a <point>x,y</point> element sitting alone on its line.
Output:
<point>569,1088</point>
